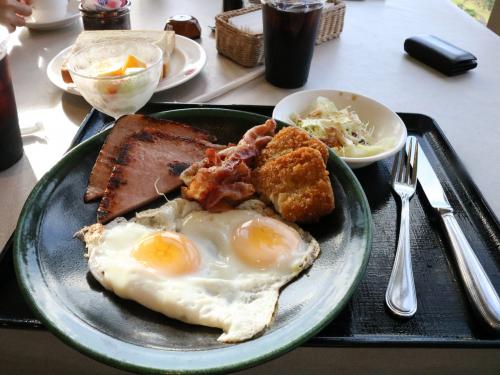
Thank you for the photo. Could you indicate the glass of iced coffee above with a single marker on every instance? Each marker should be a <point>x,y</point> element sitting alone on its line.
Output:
<point>290,28</point>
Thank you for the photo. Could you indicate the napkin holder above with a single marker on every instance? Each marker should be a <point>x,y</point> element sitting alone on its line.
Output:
<point>247,48</point>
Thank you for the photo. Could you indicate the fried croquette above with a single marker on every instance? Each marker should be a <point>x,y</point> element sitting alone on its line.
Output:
<point>289,139</point>
<point>297,184</point>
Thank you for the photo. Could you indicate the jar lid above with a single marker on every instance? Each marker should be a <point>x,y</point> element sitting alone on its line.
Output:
<point>104,13</point>
<point>104,5</point>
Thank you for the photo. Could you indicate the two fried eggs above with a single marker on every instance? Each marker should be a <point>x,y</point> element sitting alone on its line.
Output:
<point>222,270</point>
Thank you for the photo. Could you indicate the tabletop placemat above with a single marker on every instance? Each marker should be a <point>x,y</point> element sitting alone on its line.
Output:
<point>444,316</point>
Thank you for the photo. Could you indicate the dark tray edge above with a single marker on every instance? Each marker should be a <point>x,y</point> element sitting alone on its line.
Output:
<point>399,341</point>
<point>369,341</point>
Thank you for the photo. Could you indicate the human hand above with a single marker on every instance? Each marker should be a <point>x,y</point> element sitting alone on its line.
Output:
<point>12,13</point>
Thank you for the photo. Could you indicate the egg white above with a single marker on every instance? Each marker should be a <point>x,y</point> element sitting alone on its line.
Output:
<point>223,292</point>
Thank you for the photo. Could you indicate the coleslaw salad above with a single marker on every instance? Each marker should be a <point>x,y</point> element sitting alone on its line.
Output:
<point>341,129</point>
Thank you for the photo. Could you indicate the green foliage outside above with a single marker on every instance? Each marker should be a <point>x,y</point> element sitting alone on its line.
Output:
<point>479,9</point>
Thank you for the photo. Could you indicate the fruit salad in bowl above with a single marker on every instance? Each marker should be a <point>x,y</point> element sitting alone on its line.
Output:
<point>117,79</point>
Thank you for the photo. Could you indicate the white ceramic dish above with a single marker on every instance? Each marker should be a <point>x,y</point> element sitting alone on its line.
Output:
<point>72,14</point>
<point>386,123</point>
<point>187,60</point>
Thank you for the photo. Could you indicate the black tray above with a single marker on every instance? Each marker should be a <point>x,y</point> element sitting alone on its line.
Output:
<point>444,317</point>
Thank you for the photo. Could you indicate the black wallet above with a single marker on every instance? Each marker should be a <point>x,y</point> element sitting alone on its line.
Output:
<point>440,55</point>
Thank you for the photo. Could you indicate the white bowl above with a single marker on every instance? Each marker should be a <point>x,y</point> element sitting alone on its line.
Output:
<point>386,123</point>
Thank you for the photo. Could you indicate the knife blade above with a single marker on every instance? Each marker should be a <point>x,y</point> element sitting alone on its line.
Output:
<point>478,286</point>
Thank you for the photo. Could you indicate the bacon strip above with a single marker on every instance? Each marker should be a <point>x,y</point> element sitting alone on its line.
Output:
<point>223,178</point>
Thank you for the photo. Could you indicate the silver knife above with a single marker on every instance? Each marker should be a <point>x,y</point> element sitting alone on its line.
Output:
<point>477,284</point>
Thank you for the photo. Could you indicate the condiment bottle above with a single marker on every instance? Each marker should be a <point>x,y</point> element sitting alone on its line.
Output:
<point>184,25</point>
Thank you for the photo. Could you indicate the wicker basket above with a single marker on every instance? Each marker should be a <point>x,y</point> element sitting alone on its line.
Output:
<point>332,21</point>
<point>248,49</point>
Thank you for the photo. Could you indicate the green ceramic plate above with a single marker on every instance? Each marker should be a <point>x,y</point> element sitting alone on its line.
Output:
<point>54,275</point>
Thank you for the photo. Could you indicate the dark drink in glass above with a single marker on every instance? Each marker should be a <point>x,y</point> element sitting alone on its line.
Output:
<point>290,29</point>
<point>11,144</point>
<point>231,5</point>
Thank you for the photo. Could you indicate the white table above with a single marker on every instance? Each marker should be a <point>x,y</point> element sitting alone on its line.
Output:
<point>367,58</point>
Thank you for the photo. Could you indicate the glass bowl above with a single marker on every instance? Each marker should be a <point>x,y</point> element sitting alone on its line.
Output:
<point>116,95</point>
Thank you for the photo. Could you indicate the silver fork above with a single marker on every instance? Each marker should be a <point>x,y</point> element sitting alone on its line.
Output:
<point>400,296</point>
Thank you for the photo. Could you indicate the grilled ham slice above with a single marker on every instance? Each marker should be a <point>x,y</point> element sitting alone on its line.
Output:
<point>149,162</point>
<point>124,127</point>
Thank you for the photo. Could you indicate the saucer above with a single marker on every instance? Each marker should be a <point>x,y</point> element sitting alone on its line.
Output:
<point>72,13</point>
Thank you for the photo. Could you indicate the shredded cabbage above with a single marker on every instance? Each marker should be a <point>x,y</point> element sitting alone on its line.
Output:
<point>340,129</point>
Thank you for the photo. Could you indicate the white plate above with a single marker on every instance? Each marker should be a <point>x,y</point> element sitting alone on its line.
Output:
<point>385,122</point>
<point>187,60</point>
<point>72,13</point>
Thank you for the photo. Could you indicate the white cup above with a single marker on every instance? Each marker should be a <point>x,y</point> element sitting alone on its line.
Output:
<point>49,10</point>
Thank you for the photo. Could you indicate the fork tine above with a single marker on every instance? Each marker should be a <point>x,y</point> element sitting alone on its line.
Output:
<point>402,163</point>
<point>395,168</point>
<point>408,165</point>
<point>415,162</point>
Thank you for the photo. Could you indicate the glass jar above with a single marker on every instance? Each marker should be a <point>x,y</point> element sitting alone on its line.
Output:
<point>117,19</point>
<point>11,144</point>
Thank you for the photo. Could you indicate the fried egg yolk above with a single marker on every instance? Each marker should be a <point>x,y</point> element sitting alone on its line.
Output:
<point>170,253</point>
<point>264,242</point>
